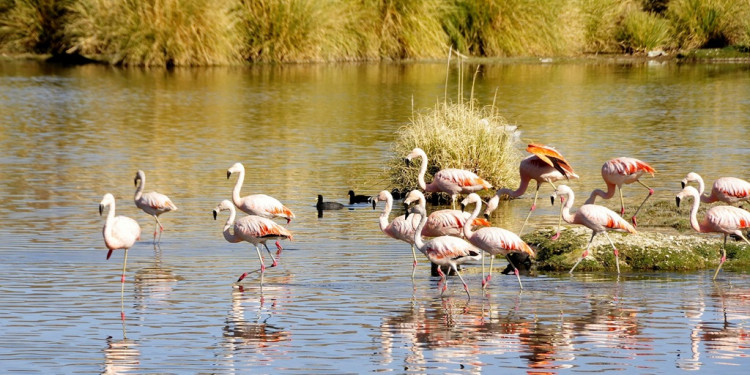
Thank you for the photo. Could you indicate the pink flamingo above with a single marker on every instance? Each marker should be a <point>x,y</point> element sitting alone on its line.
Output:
<point>444,250</point>
<point>725,189</point>
<point>718,219</point>
<point>617,172</point>
<point>152,203</point>
<point>493,240</point>
<point>599,219</point>
<point>254,229</point>
<point>545,165</point>
<point>256,204</point>
<point>452,181</point>
<point>442,222</point>
<point>399,228</point>
<point>120,232</point>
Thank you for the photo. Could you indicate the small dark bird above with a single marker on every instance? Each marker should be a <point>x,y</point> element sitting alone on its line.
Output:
<point>354,199</point>
<point>327,205</point>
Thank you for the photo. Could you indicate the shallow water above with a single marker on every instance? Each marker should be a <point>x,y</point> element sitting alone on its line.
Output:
<point>342,299</point>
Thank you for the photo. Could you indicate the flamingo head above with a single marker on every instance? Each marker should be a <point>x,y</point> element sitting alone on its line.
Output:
<point>236,167</point>
<point>471,198</point>
<point>491,206</point>
<point>139,176</point>
<point>225,205</point>
<point>107,201</point>
<point>687,191</point>
<point>416,152</point>
<point>562,191</point>
<point>691,177</point>
<point>416,209</point>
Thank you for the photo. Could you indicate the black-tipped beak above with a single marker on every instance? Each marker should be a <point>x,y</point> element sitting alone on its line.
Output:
<point>552,200</point>
<point>215,213</point>
<point>101,209</point>
<point>406,207</point>
<point>486,216</point>
<point>374,201</point>
<point>407,161</point>
<point>683,184</point>
<point>228,174</point>
<point>463,207</point>
<point>677,200</point>
<point>135,181</point>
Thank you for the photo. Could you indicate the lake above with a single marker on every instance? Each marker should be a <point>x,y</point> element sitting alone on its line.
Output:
<point>343,299</point>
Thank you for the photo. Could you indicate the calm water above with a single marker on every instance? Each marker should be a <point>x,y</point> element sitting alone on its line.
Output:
<point>343,299</point>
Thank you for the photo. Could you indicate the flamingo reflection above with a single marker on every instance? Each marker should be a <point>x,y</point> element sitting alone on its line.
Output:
<point>121,356</point>
<point>154,283</point>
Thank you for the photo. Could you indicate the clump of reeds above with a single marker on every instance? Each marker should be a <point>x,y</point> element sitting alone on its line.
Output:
<point>458,134</point>
<point>33,26</point>
<point>642,32</point>
<point>709,23</point>
<point>158,32</point>
<point>599,24</point>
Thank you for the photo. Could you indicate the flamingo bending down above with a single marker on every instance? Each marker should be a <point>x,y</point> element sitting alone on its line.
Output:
<point>400,228</point>
<point>152,203</point>
<point>617,172</point>
<point>718,219</point>
<point>493,240</point>
<point>599,219</point>
<point>725,189</point>
<point>444,250</point>
<point>120,232</point>
<point>256,204</point>
<point>253,229</point>
<point>545,165</point>
<point>452,181</point>
<point>442,222</point>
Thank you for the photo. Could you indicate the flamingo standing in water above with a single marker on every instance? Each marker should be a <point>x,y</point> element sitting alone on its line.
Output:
<point>442,222</point>
<point>445,251</point>
<point>493,240</point>
<point>452,181</point>
<point>617,172</point>
<point>599,219</point>
<point>400,228</point>
<point>120,232</point>
<point>718,219</point>
<point>725,189</point>
<point>254,229</point>
<point>256,204</point>
<point>544,165</point>
<point>152,203</point>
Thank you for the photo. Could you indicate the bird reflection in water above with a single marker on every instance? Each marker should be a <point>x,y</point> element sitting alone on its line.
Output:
<point>121,356</point>
<point>155,283</point>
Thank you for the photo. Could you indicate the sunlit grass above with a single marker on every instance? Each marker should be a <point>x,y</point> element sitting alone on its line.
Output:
<point>709,23</point>
<point>32,25</point>
<point>642,32</point>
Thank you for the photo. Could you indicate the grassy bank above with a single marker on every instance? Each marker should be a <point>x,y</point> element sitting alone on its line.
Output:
<point>202,32</point>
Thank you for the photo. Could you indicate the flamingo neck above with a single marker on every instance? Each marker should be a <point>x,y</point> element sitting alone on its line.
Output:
<point>422,171</point>
<point>237,187</point>
<point>228,235</point>
<point>518,192</point>
<point>139,188</point>
<point>418,243</point>
<point>601,193</point>
<point>468,224</point>
<point>694,214</point>
<point>566,215</point>
<point>386,213</point>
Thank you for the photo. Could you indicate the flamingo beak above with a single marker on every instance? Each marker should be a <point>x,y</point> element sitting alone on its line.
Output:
<point>406,207</point>
<point>487,216</point>
<point>677,200</point>
<point>683,184</point>
<point>408,162</point>
<point>101,209</point>
<point>135,181</point>
<point>463,207</point>
<point>552,199</point>
<point>228,174</point>
<point>215,213</point>
<point>374,201</point>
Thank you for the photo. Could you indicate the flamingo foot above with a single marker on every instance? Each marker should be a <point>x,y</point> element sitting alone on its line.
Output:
<point>278,246</point>
<point>555,236</point>
<point>288,220</point>
<point>242,277</point>
<point>635,222</point>
<point>275,263</point>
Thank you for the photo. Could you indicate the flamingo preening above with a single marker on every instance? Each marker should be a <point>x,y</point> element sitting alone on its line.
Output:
<point>152,203</point>
<point>256,204</point>
<point>254,229</point>
<point>599,219</point>
<point>452,181</point>
<point>718,219</point>
<point>725,189</point>
<point>444,250</point>
<point>120,232</point>
<point>544,165</point>
<point>493,240</point>
<point>617,172</point>
<point>399,228</point>
<point>442,222</point>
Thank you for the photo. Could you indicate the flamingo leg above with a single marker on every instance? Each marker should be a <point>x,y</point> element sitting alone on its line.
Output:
<point>160,228</point>
<point>622,201</point>
<point>650,193</point>
<point>278,247</point>
<point>466,287</point>
<point>585,252</point>
<point>723,256</point>
<point>275,263</point>
<point>414,254</point>
<point>617,253</point>
<point>486,282</point>
<point>122,286</point>
<point>515,270</point>
<point>533,207</point>
<point>443,280</point>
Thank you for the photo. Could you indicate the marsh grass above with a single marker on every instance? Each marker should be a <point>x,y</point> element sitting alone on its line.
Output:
<point>32,25</point>
<point>642,31</point>
<point>709,23</point>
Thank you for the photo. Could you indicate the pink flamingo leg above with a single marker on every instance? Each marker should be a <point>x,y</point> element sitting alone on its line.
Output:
<point>650,193</point>
<point>533,207</point>
<point>278,246</point>
<point>585,253</point>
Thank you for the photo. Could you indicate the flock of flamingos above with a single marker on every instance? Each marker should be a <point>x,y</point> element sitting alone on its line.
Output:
<point>453,241</point>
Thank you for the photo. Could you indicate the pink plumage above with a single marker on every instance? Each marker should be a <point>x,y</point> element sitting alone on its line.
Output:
<point>152,203</point>
<point>725,189</point>
<point>622,171</point>
<point>400,228</point>
<point>256,204</point>
<point>119,232</point>
<point>442,222</point>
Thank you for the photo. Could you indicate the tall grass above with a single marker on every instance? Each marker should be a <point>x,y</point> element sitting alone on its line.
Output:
<point>599,22</point>
<point>709,23</point>
<point>642,32</point>
<point>32,25</point>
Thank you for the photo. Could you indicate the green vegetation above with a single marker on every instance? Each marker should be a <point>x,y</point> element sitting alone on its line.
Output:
<point>203,32</point>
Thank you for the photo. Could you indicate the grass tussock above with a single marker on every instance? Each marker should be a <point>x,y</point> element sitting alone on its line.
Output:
<point>709,23</point>
<point>641,32</point>
<point>32,25</point>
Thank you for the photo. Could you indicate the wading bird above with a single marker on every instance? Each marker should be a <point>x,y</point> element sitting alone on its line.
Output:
<point>399,228</point>
<point>254,229</point>
<point>256,204</point>
<point>718,219</point>
<point>545,165</point>
<point>725,189</point>
<point>442,222</point>
<point>358,198</point>
<point>120,232</point>
<point>452,181</point>
<point>152,203</point>
<point>444,251</point>
<point>617,172</point>
<point>493,240</point>
<point>599,219</point>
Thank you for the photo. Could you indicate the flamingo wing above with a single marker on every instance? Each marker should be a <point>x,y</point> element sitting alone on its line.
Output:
<point>123,232</point>
<point>443,249</point>
<point>257,227</point>
<point>553,158</point>
<point>266,206</point>
<point>626,166</point>
<point>496,240</point>
<point>461,178</point>
<point>403,229</point>
<point>732,187</point>
<point>727,219</point>
<point>157,202</point>
<point>600,218</point>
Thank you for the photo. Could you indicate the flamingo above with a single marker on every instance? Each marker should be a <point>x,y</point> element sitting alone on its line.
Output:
<point>120,232</point>
<point>452,181</point>
<point>617,172</point>
<point>493,240</point>
<point>358,198</point>
<point>545,165</point>
<point>442,222</point>
<point>718,219</point>
<point>444,250</point>
<point>152,203</point>
<point>599,219</point>
<point>256,204</point>
<point>725,189</point>
<point>399,228</point>
<point>254,229</point>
